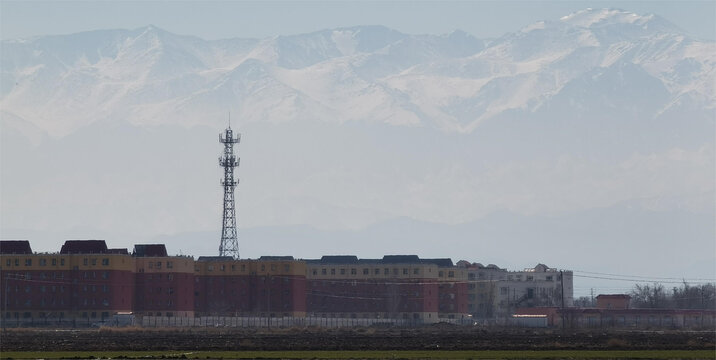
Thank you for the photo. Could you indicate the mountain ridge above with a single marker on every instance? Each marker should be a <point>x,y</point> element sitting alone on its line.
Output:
<point>369,73</point>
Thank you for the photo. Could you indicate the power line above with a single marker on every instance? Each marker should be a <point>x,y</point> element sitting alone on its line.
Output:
<point>641,280</point>
<point>645,277</point>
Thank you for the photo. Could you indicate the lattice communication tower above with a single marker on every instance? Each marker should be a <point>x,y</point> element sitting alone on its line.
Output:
<point>229,241</point>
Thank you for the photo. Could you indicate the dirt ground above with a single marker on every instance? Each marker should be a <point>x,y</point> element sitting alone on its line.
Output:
<point>425,338</point>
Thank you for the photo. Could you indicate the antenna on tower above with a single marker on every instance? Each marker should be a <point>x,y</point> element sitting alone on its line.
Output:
<point>229,245</point>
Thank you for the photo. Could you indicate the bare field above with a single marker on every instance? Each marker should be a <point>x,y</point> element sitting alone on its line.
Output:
<point>431,338</point>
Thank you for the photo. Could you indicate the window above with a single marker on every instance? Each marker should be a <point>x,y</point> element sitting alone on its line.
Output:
<point>54,262</point>
<point>333,271</point>
<point>170,277</point>
<point>451,274</point>
<point>222,267</point>
<point>105,274</point>
<point>105,288</point>
<point>263,267</point>
<point>354,271</point>
<point>273,267</point>
<point>323,271</point>
<point>62,262</point>
<point>17,262</point>
<point>8,262</point>
<point>43,262</point>
<point>159,265</point>
<point>286,268</point>
<point>94,261</point>
<point>416,271</point>
<point>314,272</point>
<point>376,271</point>
<point>171,266</point>
<point>366,272</point>
<point>343,271</point>
<point>549,278</point>
<point>85,261</point>
<point>405,271</point>
<point>386,271</point>
<point>105,262</point>
<point>243,267</point>
<point>28,262</point>
<point>441,274</point>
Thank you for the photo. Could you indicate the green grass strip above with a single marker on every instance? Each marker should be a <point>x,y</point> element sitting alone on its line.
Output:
<point>418,354</point>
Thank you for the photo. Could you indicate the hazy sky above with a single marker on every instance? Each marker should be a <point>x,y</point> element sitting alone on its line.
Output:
<point>225,19</point>
<point>311,189</point>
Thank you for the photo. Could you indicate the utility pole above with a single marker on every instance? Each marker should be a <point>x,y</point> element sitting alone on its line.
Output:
<point>592,302</point>
<point>7,288</point>
<point>561,279</point>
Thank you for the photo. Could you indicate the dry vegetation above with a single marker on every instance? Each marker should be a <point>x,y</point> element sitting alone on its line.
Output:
<point>310,339</point>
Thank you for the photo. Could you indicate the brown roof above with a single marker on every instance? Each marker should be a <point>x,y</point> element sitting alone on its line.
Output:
<point>614,296</point>
<point>151,250</point>
<point>15,247</point>
<point>84,247</point>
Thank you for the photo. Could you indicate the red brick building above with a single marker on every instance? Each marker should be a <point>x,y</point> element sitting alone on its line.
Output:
<point>394,287</point>
<point>270,286</point>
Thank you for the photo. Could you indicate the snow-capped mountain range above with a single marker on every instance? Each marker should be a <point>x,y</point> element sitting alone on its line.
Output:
<point>452,82</point>
<point>596,128</point>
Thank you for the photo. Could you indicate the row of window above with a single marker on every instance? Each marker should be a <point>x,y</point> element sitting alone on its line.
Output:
<point>61,302</point>
<point>54,262</point>
<point>366,271</point>
<point>158,277</point>
<point>158,265</point>
<point>223,267</point>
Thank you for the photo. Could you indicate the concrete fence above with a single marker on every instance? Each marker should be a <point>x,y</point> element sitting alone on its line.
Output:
<point>264,322</point>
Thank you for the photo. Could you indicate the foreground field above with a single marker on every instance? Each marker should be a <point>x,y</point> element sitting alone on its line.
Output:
<point>431,342</point>
<point>438,354</point>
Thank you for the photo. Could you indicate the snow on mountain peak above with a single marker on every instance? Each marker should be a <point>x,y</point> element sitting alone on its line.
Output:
<point>593,18</point>
<point>589,17</point>
<point>360,73</point>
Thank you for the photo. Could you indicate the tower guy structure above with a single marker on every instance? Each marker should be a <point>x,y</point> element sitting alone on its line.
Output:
<point>229,241</point>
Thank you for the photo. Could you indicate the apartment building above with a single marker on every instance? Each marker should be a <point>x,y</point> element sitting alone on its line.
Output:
<point>163,284</point>
<point>272,286</point>
<point>84,280</point>
<point>496,293</point>
<point>394,287</point>
<point>538,286</point>
<point>482,288</point>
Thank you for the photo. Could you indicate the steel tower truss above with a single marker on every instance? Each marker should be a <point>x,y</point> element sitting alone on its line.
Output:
<point>229,241</point>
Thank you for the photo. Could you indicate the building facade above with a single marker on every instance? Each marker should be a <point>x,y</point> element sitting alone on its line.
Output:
<point>163,285</point>
<point>88,280</point>
<point>84,280</point>
<point>394,287</point>
<point>495,293</point>
<point>272,286</point>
